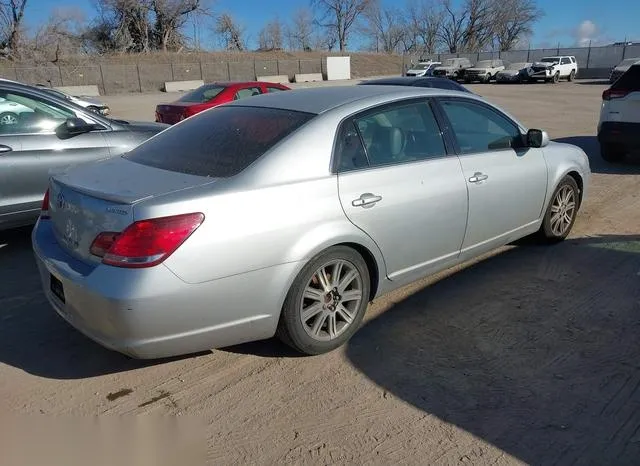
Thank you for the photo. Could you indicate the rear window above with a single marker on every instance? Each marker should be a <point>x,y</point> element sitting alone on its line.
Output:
<point>220,142</point>
<point>630,80</point>
<point>202,94</point>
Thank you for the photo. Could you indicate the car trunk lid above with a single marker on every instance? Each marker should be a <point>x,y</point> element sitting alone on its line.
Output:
<point>100,198</point>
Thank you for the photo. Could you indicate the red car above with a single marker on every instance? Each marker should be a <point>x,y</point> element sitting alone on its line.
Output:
<point>212,95</point>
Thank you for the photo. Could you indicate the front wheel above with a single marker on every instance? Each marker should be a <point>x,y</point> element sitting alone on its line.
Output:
<point>562,211</point>
<point>487,79</point>
<point>556,77</point>
<point>326,302</point>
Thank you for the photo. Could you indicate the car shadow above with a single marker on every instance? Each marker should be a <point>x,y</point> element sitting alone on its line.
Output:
<point>535,351</point>
<point>591,146</point>
<point>32,336</point>
<point>593,82</point>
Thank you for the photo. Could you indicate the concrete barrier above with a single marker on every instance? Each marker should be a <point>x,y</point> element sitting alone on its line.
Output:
<point>279,79</point>
<point>307,77</point>
<point>178,86</point>
<point>90,90</point>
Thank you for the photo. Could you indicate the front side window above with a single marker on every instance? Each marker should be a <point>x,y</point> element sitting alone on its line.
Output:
<point>22,114</point>
<point>478,128</point>
<point>248,92</point>
<point>402,133</point>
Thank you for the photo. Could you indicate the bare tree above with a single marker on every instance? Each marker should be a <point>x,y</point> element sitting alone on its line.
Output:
<point>230,33</point>
<point>513,21</point>
<point>385,27</point>
<point>424,24</point>
<point>271,36</point>
<point>170,17</point>
<point>339,17</point>
<point>62,35</point>
<point>11,18</point>
<point>478,32</point>
<point>300,33</point>
<point>451,31</point>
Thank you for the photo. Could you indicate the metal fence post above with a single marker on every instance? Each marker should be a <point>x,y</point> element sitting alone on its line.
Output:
<point>299,66</point>
<point>139,79</point>
<point>201,72</point>
<point>588,55</point>
<point>624,51</point>
<point>278,67</point>
<point>528,54</point>
<point>60,73</point>
<point>173,78</point>
<point>104,86</point>
<point>228,71</point>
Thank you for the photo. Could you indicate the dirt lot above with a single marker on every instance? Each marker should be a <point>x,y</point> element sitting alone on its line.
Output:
<point>530,356</point>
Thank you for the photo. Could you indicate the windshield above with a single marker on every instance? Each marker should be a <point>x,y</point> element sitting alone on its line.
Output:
<point>550,60</point>
<point>421,66</point>
<point>517,66</point>
<point>202,94</point>
<point>219,143</point>
<point>449,62</point>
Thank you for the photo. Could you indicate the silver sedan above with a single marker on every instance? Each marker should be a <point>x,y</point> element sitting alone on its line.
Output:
<point>287,214</point>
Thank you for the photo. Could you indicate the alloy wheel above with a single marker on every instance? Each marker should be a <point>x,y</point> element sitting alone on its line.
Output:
<point>8,119</point>
<point>563,210</point>
<point>331,300</point>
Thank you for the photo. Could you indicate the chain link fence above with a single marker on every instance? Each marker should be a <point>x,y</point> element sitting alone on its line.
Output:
<point>593,62</point>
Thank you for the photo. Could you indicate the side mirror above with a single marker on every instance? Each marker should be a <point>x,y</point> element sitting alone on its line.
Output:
<point>72,127</point>
<point>537,138</point>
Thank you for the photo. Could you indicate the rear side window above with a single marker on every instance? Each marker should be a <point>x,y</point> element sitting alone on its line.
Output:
<point>630,80</point>
<point>274,89</point>
<point>218,143</point>
<point>248,92</point>
<point>566,61</point>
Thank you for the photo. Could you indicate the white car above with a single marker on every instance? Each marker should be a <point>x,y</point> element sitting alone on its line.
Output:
<point>10,111</point>
<point>423,68</point>
<point>87,102</point>
<point>552,69</point>
<point>619,126</point>
<point>483,71</point>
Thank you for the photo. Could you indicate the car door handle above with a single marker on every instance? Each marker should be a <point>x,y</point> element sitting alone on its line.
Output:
<point>4,148</point>
<point>478,177</point>
<point>366,200</point>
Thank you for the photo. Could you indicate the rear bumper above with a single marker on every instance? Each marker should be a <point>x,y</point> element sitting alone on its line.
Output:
<point>151,313</point>
<point>622,134</point>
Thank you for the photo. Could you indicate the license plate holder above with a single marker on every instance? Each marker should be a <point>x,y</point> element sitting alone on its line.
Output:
<point>56,288</point>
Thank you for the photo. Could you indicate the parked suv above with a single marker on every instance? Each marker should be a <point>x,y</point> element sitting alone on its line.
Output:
<point>483,71</point>
<point>619,126</point>
<point>452,68</point>
<point>552,69</point>
<point>42,133</point>
<point>423,68</point>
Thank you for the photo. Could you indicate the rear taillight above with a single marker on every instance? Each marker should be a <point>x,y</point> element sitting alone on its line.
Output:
<point>145,243</point>
<point>611,94</point>
<point>44,210</point>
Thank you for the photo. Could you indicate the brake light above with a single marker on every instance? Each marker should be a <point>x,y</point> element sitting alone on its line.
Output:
<point>145,243</point>
<point>44,210</point>
<point>610,94</point>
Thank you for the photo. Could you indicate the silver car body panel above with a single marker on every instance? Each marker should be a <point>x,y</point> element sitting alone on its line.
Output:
<point>227,283</point>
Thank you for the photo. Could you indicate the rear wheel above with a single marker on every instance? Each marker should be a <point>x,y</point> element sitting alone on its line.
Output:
<point>572,76</point>
<point>562,211</point>
<point>487,79</point>
<point>326,303</point>
<point>612,152</point>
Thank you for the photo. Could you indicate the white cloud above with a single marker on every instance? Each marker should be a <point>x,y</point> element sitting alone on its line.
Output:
<point>587,32</point>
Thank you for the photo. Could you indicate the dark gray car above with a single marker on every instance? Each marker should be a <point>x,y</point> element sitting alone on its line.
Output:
<point>41,134</point>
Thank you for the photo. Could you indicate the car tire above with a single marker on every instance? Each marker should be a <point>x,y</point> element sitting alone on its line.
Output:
<point>556,78</point>
<point>561,212</point>
<point>330,320</point>
<point>487,79</point>
<point>572,76</point>
<point>612,153</point>
<point>8,118</point>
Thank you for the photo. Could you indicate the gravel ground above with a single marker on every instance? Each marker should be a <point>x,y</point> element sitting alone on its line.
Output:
<point>528,356</point>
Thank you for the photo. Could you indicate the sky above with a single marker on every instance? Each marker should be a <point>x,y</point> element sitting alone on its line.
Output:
<point>566,22</point>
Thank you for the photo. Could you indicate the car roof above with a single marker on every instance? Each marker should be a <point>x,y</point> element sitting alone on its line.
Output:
<point>403,80</point>
<point>322,99</point>
<point>240,83</point>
